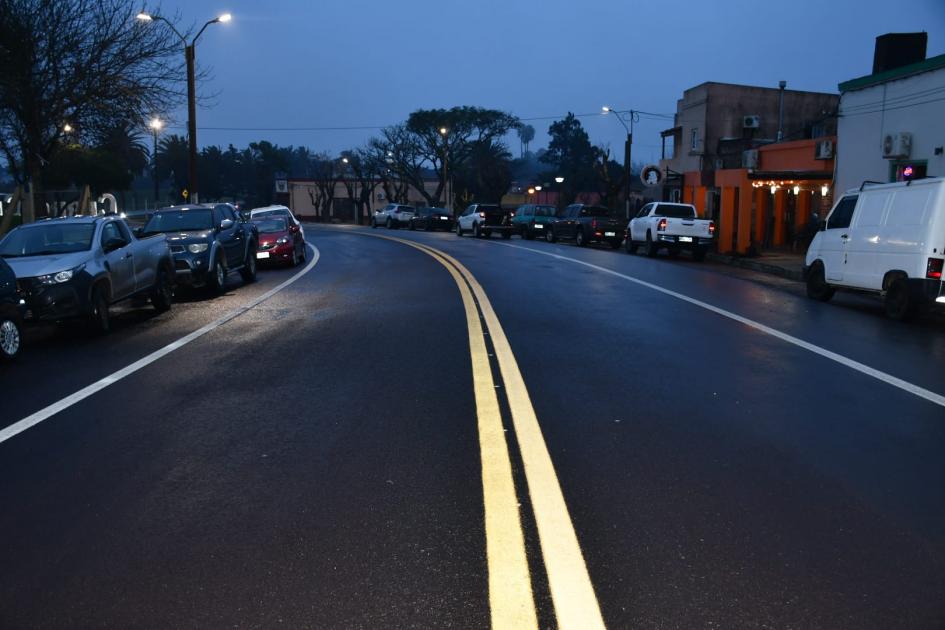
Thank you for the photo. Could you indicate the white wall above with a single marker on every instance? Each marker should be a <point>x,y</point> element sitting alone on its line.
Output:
<point>893,107</point>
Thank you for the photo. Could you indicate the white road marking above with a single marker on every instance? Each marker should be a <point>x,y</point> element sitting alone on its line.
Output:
<point>889,379</point>
<point>44,414</point>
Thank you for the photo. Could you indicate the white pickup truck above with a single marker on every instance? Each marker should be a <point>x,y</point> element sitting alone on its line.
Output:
<point>675,226</point>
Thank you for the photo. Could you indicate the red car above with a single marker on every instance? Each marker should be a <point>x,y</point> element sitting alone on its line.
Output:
<point>279,241</point>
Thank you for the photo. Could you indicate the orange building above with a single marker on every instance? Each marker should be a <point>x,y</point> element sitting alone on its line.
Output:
<point>769,206</point>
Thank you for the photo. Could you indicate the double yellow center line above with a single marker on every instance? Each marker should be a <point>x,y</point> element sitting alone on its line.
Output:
<point>511,601</point>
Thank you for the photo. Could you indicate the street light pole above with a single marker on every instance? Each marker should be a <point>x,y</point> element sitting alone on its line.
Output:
<point>628,144</point>
<point>190,58</point>
<point>155,125</point>
<point>446,159</point>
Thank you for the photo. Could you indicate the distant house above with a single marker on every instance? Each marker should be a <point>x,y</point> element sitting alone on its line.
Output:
<point>892,122</point>
<point>302,195</point>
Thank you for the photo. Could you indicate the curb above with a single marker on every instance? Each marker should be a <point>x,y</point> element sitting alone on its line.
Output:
<point>754,265</point>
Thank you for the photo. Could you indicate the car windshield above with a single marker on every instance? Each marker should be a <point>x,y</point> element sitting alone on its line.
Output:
<point>271,213</point>
<point>544,211</point>
<point>179,221</point>
<point>270,225</point>
<point>46,239</point>
<point>674,211</point>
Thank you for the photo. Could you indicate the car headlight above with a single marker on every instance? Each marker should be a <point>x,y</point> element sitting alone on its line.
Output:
<point>60,277</point>
<point>283,241</point>
<point>197,248</point>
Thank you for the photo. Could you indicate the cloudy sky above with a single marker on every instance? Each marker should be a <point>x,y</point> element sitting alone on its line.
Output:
<point>326,74</point>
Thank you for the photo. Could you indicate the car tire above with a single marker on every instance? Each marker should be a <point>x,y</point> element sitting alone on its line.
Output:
<point>304,255</point>
<point>459,229</point>
<point>248,272</point>
<point>216,278</point>
<point>652,249</point>
<point>550,236</point>
<point>899,303</point>
<point>698,255</point>
<point>162,295</point>
<point>477,231</point>
<point>295,258</point>
<point>11,337</point>
<point>98,318</point>
<point>388,224</point>
<point>817,287</point>
<point>631,246</point>
<point>579,239</point>
<point>374,223</point>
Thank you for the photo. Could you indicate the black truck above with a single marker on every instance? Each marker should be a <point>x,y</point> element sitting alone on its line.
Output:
<point>207,242</point>
<point>586,224</point>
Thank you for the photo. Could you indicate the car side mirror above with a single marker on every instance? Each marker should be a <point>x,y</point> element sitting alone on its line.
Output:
<point>226,224</point>
<point>112,244</point>
<point>822,226</point>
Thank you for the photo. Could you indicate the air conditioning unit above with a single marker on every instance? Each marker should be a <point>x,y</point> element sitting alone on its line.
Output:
<point>750,158</point>
<point>381,196</point>
<point>897,145</point>
<point>824,150</point>
<point>751,122</point>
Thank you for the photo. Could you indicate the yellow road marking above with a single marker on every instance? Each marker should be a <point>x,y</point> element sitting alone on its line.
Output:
<point>572,592</point>
<point>511,603</point>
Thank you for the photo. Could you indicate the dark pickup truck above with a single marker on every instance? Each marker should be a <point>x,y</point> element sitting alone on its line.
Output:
<point>76,267</point>
<point>484,219</point>
<point>586,224</point>
<point>207,242</point>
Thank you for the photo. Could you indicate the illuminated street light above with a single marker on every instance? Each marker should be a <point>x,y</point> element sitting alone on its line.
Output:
<point>559,179</point>
<point>538,188</point>
<point>67,128</point>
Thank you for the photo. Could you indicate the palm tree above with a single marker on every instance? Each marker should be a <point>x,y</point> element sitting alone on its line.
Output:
<point>125,141</point>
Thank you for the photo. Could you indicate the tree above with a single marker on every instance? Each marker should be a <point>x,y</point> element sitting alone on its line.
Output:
<point>526,133</point>
<point>88,63</point>
<point>360,179</point>
<point>380,154</point>
<point>572,155</point>
<point>485,176</point>
<point>172,161</point>
<point>611,179</point>
<point>326,174</point>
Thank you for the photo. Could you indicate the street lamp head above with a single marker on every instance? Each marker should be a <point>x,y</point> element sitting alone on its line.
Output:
<point>67,128</point>
<point>605,109</point>
<point>531,191</point>
<point>443,130</point>
<point>226,17</point>
<point>559,179</point>
<point>144,17</point>
<point>537,187</point>
<point>156,124</point>
<point>345,160</point>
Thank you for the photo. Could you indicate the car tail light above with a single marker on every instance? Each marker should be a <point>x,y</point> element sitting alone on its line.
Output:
<point>711,228</point>
<point>661,226</point>
<point>593,224</point>
<point>934,268</point>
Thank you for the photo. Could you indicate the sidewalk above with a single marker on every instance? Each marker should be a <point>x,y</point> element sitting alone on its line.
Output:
<point>782,264</point>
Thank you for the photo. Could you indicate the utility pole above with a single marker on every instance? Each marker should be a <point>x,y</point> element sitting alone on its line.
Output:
<point>628,144</point>
<point>781,86</point>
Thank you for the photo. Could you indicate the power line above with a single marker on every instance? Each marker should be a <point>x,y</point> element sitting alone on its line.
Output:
<point>889,109</point>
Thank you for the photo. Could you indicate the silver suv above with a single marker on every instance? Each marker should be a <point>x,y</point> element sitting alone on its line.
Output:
<point>393,215</point>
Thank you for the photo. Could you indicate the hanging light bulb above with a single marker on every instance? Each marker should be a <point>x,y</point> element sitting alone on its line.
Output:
<point>797,189</point>
<point>824,190</point>
<point>774,189</point>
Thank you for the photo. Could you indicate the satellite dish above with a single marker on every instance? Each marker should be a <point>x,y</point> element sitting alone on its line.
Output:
<point>651,175</point>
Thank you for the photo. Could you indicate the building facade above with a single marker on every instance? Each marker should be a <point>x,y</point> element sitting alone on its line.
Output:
<point>892,122</point>
<point>303,197</point>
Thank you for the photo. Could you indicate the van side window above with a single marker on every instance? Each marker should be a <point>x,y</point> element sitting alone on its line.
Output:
<point>842,214</point>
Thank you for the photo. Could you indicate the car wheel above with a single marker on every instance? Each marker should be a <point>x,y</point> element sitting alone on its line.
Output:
<point>630,246</point>
<point>477,232</point>
<point>698,255</point>
<point>303,254</point>
<point>99,320</point>
<point>550,236</point>
<point>651,247</point>
<point>900,304</point>
<point>374,223</point>
<point>248,272</point>
<point>217,277</point>
<point>817,287</point>
<point>459,229</point>
<point>11,337</point>
<point>295,258</point>
<point>388,223</point>
<point>162,296</point>
<point>579,238</point>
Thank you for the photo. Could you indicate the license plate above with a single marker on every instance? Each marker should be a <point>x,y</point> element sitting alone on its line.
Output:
<point>610,234</point>
<point>685,239</point>
<point>539,226</point>
<point>262,254</point>
<point>444,219</point>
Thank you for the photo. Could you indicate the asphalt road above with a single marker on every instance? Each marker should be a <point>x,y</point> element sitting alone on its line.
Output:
<point>319,461</point>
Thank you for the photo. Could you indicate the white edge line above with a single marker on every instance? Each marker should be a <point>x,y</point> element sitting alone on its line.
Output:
<point>889,379</point>
<point>47,412</point>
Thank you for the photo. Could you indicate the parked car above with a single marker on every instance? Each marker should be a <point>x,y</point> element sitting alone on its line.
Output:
<point>531,220</point>
<point>885,239</point>
<point>208,242</point>
<point>482,219</point>
<point>11,314</point>
<point>431,219</point>
<point>675,226</point>
<point>77,267</point>
<point>393,215</point>
<point>280,240</point>
<point>278,211</point>
<point>586,224</point>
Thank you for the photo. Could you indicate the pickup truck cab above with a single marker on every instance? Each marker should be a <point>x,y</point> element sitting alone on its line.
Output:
<point>208,242</point>
<point>531,220</point>
<point>77,267</point>
<point>482,219</point>
<point>888,240</point>
<point>586,224</point>
<point>675,226</point>
<point>393,215</point>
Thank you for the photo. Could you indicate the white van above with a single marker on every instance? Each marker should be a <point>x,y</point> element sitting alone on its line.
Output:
<point>887,239</point>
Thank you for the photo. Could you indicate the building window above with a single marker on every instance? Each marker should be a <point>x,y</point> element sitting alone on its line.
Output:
<point>906,171</point>
<point>694,139</point>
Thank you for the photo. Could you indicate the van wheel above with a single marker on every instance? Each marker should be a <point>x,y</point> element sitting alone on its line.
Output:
<point>817,287</point>
<point>900,304</point>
